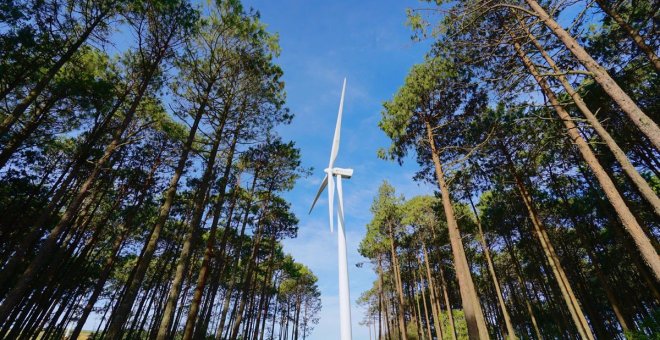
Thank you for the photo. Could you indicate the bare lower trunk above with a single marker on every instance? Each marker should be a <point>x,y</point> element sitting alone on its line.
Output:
<point>553,260</point>
<point>445,294</point>
<point>193,233</point>
<point>525,291</point>
<point>210,245</point>
<point>474,316</point>
<point>435,303</point>
<point>120,314</point>
<point>399,289</point>
<point>511,333</point>
<point>50,243</point>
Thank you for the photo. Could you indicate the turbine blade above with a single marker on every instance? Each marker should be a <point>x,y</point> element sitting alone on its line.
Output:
<point>340,211</point>
<point>331,197</point>
<point>323,185</point>
<point>335,140</point>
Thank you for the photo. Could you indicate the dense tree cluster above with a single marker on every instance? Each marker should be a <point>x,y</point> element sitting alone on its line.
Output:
<point>143,188</point>
<point>537,121</point>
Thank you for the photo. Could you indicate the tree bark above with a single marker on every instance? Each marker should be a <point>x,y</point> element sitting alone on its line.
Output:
<point>193,234</point>
<point>49,245</point>
<point>644,188</point>
<point>639,118</point>
<point>210,244</point>
<point>435,303</point>
<point>399,288</point>
<point>511,333</point>
<point>474,316</point>
<point>553,260</point>
<point>632,33</point>
<point>631,225</point>
<point>120,314</point>
<point>445,294</point>
<point>525,291</point>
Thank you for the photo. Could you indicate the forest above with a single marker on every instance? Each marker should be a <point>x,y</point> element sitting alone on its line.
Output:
<point>536,123</point>
<point>142,177</point>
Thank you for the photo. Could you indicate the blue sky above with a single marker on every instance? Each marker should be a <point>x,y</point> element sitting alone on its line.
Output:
<point>322,42</point>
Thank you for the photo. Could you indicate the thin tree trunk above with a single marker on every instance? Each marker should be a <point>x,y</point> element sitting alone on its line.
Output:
<point>246,284</point>
<point>114,253</point>
<point>511,333</point>
<point>450,314</point>
<point>426,308</point>
<point>49,245</point>
<point>435,303</point>
<point>552,258</point>
<point>64,186</point>
<point>641,184</point>
<point>399,288</point>
<point>629,222</point>
<point>600,75</point>
<point>589,248</point>
<point>193,234</point>
<point>34,93</point>
<point>632,33</point>
<point>120,313</point>
<point>525,291</point>
<point>210,244</point>
<point>202,327</point>
<point>474,316</point>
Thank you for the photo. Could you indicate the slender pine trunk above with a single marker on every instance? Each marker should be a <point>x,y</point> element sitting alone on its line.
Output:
<point>474,316</point>
<point>600,75</point>
<point>631,225</point>
<point>632,33</point>
<point>644,188</point>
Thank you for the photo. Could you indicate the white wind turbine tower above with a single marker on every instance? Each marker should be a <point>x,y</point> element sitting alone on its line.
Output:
<point>330,172</point>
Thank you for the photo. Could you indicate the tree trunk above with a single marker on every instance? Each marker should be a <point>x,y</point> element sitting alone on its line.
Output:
<point>474,316</point>
<point>600,75</point>
<point>435,302</point>
<point>188,245</point>
<point>632,33</point>
<point>551,256</point>
<point>20,108</point>
<point>210,244</point>
<point>629,222</point>
<point>523,287</point>
<point>588,245</point>
<point>445,294</point>
<point>49,245</point>
<point>641,184</point>
<point>426,308</point>
<point>399,288</point>
<point>120,314</point>
<point>511,333</point>
<point>246,283</point>
<point>110,260</point>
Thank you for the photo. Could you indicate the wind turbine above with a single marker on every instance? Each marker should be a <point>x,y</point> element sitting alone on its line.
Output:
<point>339,173</point>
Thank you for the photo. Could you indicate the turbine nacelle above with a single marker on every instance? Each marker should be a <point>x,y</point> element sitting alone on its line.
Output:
<point>345,173</point>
